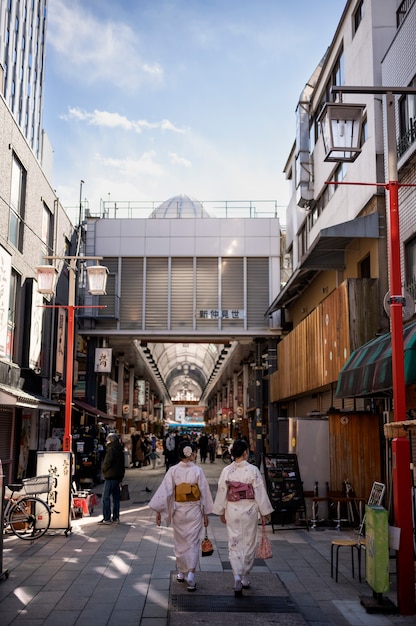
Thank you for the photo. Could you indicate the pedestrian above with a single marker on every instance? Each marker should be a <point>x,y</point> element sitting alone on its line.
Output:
<point>113,473</point>
<point>184,500</point>
<point>203,447</point>
<point>152,456</point>
<point>212,448</point>
<point>241,496</point>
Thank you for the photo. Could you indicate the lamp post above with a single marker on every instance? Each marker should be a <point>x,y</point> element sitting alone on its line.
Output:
<point>341,129</point>
<point>97,280</point>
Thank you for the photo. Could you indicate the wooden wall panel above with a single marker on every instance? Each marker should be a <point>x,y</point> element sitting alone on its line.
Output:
<point>354,443</point>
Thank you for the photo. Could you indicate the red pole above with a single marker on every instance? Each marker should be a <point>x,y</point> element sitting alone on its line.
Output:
<point>69,378</point>
<point>402,485</point>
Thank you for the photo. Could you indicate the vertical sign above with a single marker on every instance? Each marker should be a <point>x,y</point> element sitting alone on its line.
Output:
<point>36,328</point>
<point>5,270</point>
<point>58,466</point>
<point>103,360</point>
<point>60,342</point>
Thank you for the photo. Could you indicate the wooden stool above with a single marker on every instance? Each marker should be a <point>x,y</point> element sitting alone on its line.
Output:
<point>345,543</point>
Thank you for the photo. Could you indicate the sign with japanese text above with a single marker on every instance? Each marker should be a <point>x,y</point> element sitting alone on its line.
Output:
<point>5,270</point>
<point>103,360</point>
<point>58,466</point>
<point>221,314</point>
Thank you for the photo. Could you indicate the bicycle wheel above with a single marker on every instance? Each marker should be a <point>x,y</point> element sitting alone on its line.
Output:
<point>226,457</point>
<point>30,518</point>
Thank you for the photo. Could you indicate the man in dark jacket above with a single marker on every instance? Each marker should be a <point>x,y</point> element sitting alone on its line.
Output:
<point>113,473</point>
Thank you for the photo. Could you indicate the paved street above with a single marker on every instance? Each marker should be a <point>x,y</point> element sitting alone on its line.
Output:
<point>121,575</point>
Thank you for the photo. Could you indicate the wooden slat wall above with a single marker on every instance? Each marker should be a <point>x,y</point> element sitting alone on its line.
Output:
<point>354,443</point>
<point>312,355</point>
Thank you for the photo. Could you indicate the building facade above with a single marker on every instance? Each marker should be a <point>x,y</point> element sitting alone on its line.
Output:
<point>22,64</point>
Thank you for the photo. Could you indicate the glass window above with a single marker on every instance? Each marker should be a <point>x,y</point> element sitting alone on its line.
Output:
<point>358,16</point>
<point>17,203</point>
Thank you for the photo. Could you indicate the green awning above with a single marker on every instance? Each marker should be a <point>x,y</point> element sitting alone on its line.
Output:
<point>367,373</point>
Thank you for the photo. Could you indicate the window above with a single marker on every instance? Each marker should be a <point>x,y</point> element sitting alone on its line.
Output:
<point>358,16</point>
<point>17,204</point>
<point>407,121</point>
<point>410,266</point>
<point>47,231</point>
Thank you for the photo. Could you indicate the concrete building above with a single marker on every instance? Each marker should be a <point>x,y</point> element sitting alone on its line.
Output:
<point>336,239</point>
<point>22,63</point>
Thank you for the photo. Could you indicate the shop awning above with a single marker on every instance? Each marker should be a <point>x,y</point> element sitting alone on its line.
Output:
<point>367,373</point>
<point>327,252</point>
<point>13,396</point>
<point>92,410</point>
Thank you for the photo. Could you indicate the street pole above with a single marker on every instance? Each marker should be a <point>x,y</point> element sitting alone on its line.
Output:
<point>402,484</point>
<point>401,465</point>
<point>69,377</point>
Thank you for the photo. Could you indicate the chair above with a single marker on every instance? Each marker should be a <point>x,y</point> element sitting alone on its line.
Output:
<point>375,499</point>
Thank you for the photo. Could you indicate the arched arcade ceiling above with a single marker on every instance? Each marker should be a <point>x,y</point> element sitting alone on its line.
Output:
<point>172,366</point>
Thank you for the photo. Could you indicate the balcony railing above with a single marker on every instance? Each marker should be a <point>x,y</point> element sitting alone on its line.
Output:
<point>407,139</point>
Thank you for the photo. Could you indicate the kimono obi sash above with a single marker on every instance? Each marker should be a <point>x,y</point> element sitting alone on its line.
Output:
<point>185,492</point>
<point>239,491</point>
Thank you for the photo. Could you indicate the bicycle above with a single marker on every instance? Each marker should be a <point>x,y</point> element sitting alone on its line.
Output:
<point>28,516</point>
<point>226,456</point>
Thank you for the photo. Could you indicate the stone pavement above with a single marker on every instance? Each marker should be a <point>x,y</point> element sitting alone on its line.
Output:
<point>122,575</point>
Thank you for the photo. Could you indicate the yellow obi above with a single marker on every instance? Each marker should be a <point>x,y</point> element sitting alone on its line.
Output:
<point>185,492</point>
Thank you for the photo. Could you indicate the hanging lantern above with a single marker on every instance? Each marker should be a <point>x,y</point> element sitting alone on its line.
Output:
<point>341,126</point>
<point>97,280</point>
<point>46,276</point>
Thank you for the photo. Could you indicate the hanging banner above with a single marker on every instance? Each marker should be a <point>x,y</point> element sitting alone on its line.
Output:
<point>103,360</point>
<point>36,327</point>
<point>60,343</point>
<point>5,271</point>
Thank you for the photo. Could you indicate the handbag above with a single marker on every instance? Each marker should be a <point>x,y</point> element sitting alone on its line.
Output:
<point>264,549</point>
<point>206,546</point>
<point>124,493</point>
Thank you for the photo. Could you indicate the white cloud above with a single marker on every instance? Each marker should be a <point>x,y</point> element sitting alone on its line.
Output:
<point>177,160</point>
<point>115,120</point>
<point>91,49</point>
<point>130,167</point>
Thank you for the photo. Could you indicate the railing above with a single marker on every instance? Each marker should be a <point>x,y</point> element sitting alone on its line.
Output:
<point>210,208</point>
<point>407,139</point>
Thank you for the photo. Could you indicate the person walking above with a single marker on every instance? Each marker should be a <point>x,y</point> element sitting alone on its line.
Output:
<point>112,470</point>
<point>203,447</point>
<point>241,496</point>
<point>184,500</point>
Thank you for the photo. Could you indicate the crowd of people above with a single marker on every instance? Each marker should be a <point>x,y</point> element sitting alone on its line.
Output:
<point>183,499</point>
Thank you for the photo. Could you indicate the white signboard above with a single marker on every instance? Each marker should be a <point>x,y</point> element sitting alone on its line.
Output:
<point>58,466</point>
<point>36,328</point>
<point>103,360</point>
<point>5,270</point>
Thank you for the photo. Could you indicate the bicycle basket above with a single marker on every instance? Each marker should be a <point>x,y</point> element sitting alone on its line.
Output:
<point>37,484</point>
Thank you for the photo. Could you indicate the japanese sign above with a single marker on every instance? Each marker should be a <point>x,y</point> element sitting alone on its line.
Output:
<point>223,314</point>
<point>103,360</point>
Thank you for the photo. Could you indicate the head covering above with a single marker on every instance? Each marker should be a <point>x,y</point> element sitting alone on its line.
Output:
<point>185,449</point>
<point>111,438</point>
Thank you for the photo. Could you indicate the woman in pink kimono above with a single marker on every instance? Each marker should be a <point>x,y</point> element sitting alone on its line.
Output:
<point>184,499</point>
<point>241,496</point>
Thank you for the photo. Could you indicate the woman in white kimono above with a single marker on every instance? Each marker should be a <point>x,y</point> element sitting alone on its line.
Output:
<point>184,499</point>
<point>241,496</point>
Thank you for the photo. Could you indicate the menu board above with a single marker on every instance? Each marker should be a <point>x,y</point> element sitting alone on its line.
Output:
<point>284,487</point>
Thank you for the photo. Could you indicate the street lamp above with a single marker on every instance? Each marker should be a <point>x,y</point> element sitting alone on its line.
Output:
<point>340,123</point>
<point>97,281</point>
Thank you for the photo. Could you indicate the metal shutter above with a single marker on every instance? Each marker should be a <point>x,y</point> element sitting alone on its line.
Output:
<point>157,285</point>
<point>131,293</point>
<point>182,294</point>
<point>257,292</point>
<point>232,289</point>
<point>206,291</point>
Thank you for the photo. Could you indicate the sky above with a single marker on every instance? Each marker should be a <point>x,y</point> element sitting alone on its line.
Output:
<point>149,99</point>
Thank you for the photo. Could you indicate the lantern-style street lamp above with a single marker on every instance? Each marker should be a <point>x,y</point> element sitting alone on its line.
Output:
<point>341,130</point>
<point>97,281</point>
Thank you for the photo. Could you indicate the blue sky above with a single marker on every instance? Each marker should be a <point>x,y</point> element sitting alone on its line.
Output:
<point>148,99</point>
